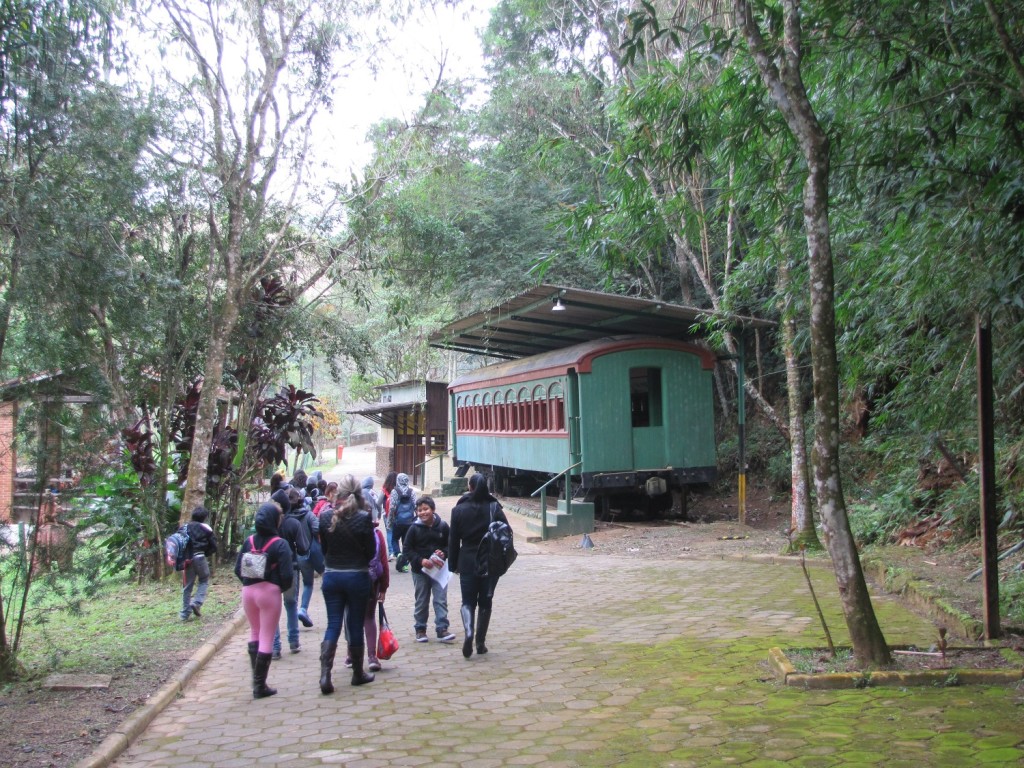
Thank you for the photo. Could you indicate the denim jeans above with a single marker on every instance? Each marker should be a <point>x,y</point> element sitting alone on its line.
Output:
<point>292,617</point>
<point>345,596</point>
<point>425,589</point>
<point>400,530</point>
<point>198,569</point>
<point>393,548</point>
<point>305,566</point>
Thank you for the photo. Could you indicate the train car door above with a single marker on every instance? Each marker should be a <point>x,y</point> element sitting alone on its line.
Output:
<point>647,416</point>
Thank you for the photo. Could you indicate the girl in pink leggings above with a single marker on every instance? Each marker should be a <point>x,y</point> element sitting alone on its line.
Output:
<point>265,568</point>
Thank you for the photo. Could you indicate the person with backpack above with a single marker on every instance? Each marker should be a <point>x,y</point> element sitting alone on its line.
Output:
<point>203,545</point>
<point>349,542</point>
<point>402,511</point>
<point>265,568</point>
<point>470,520</point>
<point>426,547</point>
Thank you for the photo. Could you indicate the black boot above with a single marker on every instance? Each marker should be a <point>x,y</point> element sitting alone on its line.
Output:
<point>355,652</point>
<point>253,649</point>
<point>327,651</point>
<point>467,625</point>
<point>260,689</point>
<point>483,619</point>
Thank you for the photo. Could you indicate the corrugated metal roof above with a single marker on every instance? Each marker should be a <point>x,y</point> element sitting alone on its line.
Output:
<point>529,324</point>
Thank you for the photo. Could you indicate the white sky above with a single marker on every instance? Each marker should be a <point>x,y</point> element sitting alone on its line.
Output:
<point>405,74</point>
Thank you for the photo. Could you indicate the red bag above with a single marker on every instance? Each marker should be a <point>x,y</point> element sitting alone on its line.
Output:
<point>387,643</point>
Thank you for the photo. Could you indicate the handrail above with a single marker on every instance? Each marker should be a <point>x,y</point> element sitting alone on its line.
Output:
<point>427,461</point>
<point>544,500</point>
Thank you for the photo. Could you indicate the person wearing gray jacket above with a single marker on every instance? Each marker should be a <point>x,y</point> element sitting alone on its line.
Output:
<point>375,499</point>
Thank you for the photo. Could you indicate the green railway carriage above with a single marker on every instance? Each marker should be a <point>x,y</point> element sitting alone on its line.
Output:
<point>635,412</point>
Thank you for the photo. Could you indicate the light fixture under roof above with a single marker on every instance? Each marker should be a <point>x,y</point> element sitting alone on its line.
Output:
<point>558,306</point>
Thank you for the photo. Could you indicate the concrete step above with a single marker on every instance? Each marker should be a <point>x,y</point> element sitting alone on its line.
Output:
<point>578,519</point>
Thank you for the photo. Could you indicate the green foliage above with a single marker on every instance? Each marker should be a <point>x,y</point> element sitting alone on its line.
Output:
<point>1011,598</point>
<point>122,516</point>
<point>121,623</point>
<point>767,454</point>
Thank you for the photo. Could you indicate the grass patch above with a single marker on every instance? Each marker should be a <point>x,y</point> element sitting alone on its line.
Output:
<point>808,661</point>
<point>120,625</point>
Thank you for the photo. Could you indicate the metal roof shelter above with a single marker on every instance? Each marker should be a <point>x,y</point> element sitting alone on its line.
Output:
<point>550,317</point>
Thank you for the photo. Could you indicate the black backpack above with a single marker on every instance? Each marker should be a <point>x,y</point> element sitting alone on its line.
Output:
<point>497,551</point>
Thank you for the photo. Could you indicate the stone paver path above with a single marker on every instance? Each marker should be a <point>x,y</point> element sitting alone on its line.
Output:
<point>595,661</point>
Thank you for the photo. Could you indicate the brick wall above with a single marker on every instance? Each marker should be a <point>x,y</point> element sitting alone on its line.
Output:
<point>385,461</point>
<point>8,458</point>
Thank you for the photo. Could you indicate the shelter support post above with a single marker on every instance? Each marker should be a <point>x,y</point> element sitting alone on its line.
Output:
<point>986,454</point>
<point>741,429</point>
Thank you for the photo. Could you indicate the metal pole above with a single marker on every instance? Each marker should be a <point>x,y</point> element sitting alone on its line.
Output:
<point>987,473</point>
<point>544,513</point>
<point>741,429</point>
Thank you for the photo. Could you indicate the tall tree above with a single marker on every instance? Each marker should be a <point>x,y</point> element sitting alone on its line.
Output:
<point>263,71</point>
<point>51,53</point>
<point>779,64</point>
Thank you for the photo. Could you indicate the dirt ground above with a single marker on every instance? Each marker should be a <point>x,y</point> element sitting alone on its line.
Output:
<point>46,729</point>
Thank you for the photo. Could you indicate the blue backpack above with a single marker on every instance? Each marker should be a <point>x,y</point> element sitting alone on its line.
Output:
<point>405,511</point>
<point>178,549</point>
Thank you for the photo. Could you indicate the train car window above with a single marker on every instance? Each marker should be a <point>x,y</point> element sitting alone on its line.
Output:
<point>645,397</point>
<point>539,408</point>
<point>521,408</point>
<point>558,415</point>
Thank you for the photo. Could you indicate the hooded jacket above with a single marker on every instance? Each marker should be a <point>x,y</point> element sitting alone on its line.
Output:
<point>423,540</point>
<point>279,554</point>
<point>373,498</point>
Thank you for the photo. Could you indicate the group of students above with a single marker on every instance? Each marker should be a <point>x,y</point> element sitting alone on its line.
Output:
<point>356,577</point>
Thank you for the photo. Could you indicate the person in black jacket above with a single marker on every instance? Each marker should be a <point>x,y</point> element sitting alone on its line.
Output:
<point>295,531</point>
<point>261,594</point>
<point>426,546</point>
<point>348,542</point>
<point>469,522</point>
<point>204,546</point>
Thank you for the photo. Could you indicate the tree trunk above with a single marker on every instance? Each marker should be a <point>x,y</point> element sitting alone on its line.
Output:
<point>8,297</point>
<point>802,536</point>
<point>786,88</point>
<point>222,325</point>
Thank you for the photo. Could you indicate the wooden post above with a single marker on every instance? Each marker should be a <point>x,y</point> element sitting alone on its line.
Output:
<point>741,428</point>
<point>987,473</point>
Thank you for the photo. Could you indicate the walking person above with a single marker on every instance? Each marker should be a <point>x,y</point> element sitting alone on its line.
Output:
<point>204,546</point>
<point>313,562</point>
<point>402,511</point>
<point>426,547</point>
<point>372,498</point>
<point>470,519</point>
<point>295,531</point>
<point>261,591</point>
<point>387,487</point>
<point>348,542</point>
<point>380,580</point>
